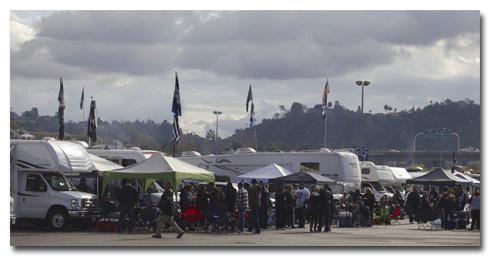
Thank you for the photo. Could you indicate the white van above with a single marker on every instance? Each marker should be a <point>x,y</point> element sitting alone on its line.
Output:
<point>373,177</point>
<point>41,191</point>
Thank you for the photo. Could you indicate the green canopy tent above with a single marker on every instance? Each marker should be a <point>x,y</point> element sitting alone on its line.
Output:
<point>159,167</point>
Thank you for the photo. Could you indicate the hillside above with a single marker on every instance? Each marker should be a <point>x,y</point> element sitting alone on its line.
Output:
<point>298,128</point>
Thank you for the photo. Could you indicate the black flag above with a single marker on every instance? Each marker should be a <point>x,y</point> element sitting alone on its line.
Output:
<point>454,161</point>
<point>176,107</point>
<point>92,123</point>
<point>61,109</point>
<point>81,101</point>
<point>249,97</point>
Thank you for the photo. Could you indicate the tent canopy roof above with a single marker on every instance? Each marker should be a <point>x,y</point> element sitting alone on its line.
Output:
<point>265,173</point>
<point>475,182</point>
<point>305,177</point>
<point>439,176</point>
<point>162,167</point>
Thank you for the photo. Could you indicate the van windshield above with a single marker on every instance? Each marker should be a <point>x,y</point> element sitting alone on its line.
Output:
<point>378,187</point>
<point>154,188</point>
<point>58,182</point>
<point>337,189</point>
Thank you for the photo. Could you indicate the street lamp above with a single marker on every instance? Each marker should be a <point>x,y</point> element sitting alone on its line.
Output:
<point>362,84</point>
<point>217,113</point>
<point>412,132</point>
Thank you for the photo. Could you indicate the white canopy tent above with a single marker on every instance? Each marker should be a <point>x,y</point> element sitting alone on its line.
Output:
<point>265,173</point>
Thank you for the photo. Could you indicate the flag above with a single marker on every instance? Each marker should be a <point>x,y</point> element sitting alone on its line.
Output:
<point>454,161</point>
<point>324,99</point>
<point>176,107</point>
<point>176,130</point>
<point>252,113</point>
<point>81,101</point>
<point>249,97</point>
<point>92,122</point>
<point>61,109</point>
<point>365,153</point>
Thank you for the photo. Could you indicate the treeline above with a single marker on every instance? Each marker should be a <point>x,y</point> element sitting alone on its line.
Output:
<point>297,128</point>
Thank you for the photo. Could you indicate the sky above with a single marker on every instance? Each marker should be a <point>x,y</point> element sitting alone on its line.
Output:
<point>127,61</point>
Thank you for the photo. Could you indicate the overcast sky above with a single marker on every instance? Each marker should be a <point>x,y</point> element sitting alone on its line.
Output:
<point>127,61</point>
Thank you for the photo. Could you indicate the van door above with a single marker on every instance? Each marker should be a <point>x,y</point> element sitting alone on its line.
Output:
<point>34,196</point>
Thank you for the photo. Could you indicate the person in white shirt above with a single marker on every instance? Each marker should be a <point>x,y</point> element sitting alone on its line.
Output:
<point>302,197</point>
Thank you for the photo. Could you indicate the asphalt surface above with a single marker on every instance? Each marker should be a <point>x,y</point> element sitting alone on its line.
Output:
<point>380,236</point>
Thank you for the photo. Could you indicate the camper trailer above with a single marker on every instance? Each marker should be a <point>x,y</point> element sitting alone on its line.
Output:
<point>373,177</point>
<point>40,189</point>
<point>123,157</point>
<point>342,167</point>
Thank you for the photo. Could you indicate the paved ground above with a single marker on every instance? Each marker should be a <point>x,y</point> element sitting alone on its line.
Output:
<point>393,235</point>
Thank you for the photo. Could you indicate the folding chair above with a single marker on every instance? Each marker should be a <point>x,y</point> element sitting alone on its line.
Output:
<point>147,218</point>
<point>211,214</point>
<point>396,215</point>
<point>191,217</point>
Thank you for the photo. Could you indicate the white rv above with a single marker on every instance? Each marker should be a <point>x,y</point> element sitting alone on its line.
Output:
<point>373,177</point>
<point>123,157</point>
<point>40,189</point>
<point>342,167</point>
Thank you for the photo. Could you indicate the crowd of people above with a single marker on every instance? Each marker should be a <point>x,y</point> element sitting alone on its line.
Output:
<point>296,204</point>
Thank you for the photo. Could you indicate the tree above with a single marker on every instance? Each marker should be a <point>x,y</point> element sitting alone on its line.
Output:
<point>13,125</point>
<point>386,107</point>
<point>210,135</point>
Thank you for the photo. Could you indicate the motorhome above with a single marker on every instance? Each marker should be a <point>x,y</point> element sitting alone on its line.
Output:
<point>373,177</point>
<point>40,189</point>
<point>401,176</point>
<point>123,157</point>
<point>342,167</point>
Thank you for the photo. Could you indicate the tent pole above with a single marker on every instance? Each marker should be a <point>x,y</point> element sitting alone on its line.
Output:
<point>174,149</point>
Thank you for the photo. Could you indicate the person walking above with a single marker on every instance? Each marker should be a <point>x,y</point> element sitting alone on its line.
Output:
<point>302,198</point>
<point>241,205</point>
<point>326,202</point>
<point>412,204</point>
<point>128,196</point>
<point>166,212</point>
<point>475,210</point>
<point>450,203</point>
<point>254,201</point>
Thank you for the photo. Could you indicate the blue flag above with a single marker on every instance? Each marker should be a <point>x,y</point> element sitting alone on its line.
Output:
<point>176,107</point>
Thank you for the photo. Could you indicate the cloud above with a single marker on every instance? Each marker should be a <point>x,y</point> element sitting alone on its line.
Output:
<point>127,59</point>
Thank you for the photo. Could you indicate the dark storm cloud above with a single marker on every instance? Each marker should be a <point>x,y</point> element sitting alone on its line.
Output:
<point>274,45</point>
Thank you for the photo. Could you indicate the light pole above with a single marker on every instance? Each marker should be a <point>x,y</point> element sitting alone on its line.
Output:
<point>362,84</point>
<point>217,113</point>
<point>412,132</point>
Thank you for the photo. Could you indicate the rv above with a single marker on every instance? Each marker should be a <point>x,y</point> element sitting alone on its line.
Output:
<point>373,177</point>
<point>123,157</point>
<point>40,189</point>
<point>342,167</point>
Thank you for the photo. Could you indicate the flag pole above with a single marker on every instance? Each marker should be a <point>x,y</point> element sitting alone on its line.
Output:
<point>255,131</point>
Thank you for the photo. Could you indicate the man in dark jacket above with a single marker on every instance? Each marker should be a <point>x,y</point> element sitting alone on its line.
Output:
<point>281,207</point>
<point>127,198</point>
<point>214,195</point>
<point>166,212</point>
<point>412,204</point>
<point>326,202</point>
<point>230,197</point>
<point>254,202</point>
<point>264,206</point>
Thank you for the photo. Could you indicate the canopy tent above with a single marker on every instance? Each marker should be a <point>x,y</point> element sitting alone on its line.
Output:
<point>475,182</point>
<point>401,175</point>
<point>305,177</point>
<point>265,173</point>
<point>102,164</point>
<point>440,177</point>
<point>158,167</point>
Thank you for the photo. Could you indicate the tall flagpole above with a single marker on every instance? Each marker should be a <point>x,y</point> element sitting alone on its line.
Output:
<point>83,107</point>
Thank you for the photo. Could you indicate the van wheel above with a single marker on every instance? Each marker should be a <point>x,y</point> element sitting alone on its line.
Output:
<point>58,220</point>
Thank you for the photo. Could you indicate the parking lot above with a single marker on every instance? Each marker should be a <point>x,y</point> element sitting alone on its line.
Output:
<point>379,235</point>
